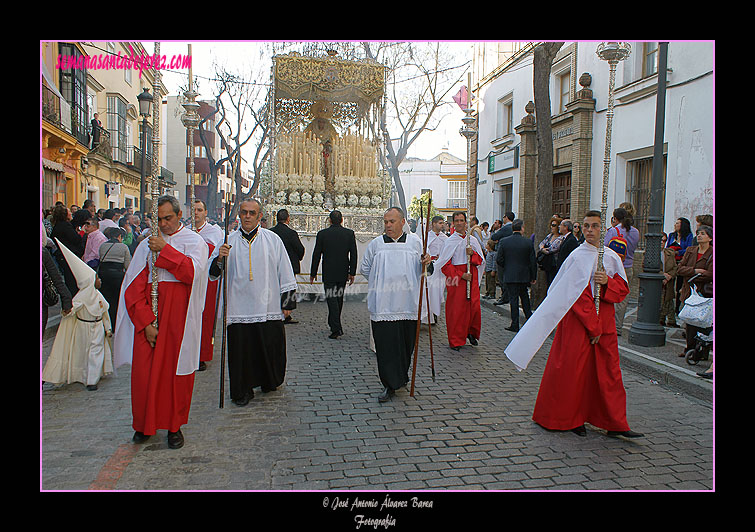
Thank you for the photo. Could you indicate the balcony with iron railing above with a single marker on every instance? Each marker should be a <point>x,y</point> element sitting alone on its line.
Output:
<point>456,203</point>
<point>53,112</point>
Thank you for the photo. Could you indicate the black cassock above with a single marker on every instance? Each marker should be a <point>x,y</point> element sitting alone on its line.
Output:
<point>394,345</point>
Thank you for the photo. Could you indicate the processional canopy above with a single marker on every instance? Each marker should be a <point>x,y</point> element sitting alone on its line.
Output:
<point>325,155</point>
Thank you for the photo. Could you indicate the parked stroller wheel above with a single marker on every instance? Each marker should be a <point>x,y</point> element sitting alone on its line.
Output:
<point>690,357</point>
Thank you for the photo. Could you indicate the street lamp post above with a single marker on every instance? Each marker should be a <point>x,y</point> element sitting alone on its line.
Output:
<point>613,52</point>
<point>145,102</point>
<point>647,330</point>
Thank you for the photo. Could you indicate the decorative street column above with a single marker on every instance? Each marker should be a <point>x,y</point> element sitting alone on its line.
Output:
<point>191,120</point>
<point>469,132</point>
<point>647,330</point>
<point>613,52</point>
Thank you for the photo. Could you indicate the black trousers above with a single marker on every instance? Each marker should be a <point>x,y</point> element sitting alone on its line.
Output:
<point>516,292</point>
<point>499,280</point>
<point>334,297</point>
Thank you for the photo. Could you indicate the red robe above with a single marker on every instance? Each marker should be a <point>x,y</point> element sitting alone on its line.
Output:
<point>208,317</point>
<point>463,316</point>
<point>582,382</point>
<point>160,399</point>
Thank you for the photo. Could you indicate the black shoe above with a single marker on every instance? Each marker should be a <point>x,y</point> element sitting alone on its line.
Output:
<point>334,336</point>
<point>202,366</point>
<point>139,437</point>
<point>268,390</point>
<point>580,431</point>
<point>706,375</point>
<point>245,399</point>
<point>175,439</point>
<point>456,347</point>
<point>499,302</point>
<point>289,321</point>
<point>340,333</point>
<point>626,433</point>
<point>512,328</point>
<point>385,395</point>
<point>472,339</point>
<point>91,387</point>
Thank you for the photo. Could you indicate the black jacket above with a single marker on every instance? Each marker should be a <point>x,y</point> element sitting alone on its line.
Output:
<point>293,244</point>
<point>516,256</point>
<point>502,233</point>
<point>569,244</point>
<point>338,247</point>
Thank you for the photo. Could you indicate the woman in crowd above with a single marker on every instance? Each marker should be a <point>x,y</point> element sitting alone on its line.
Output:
<point>697,260</point>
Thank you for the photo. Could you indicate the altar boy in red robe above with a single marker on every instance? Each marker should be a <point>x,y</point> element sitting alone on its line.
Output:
<point>463,316</point>
<point>163,358</point>
<point>582,379</point>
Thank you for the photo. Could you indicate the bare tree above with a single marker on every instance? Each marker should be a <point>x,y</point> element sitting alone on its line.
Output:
<point>421,76</point>
<point>543,56</point>
<point>241,118</point>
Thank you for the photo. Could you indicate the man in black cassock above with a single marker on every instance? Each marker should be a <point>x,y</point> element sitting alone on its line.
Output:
<point>261,291</point>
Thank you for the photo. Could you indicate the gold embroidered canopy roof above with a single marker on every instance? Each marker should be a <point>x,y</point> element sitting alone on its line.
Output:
<point>328,78</point>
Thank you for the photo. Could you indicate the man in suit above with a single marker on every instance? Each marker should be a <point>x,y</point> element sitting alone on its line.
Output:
<point>293,245</point>
<point>516,258</point>
<point>501,233</point>
<point>338,247</point>
<point>569,244</point>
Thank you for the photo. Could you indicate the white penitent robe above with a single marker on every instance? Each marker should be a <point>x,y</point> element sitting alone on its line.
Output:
<point>393,270</point>
<point>436,283</point>
<point>81,351</point>
<point>259,299</point>
<point>213,235</point>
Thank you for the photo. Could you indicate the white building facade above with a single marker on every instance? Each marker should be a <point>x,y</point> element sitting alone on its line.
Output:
<point>445,175</point>
<point>579,99</point>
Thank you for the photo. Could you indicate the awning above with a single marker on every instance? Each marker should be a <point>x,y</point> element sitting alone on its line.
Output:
<point>52,165</point>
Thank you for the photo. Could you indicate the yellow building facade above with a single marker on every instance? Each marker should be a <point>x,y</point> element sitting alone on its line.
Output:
<point>80,80</point>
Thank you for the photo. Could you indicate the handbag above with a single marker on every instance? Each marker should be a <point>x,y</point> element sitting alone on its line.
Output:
<point>697,310</point>
<point>50,296</point>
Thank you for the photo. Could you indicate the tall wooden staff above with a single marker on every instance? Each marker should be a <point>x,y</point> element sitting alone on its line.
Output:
<point>419,308</point>
<point>223,280</point>
<point>613,52</point>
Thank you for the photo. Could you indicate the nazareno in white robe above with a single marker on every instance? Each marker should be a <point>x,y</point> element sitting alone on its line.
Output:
<point>81,351</point>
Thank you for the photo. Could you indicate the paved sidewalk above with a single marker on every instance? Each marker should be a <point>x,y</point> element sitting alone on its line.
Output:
<point>470,429</point>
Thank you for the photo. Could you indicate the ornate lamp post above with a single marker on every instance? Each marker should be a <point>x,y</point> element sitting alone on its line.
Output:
<point>646,330</point>
<point>145,103</point>
<point>191,120</point>
<point>469,131</point>
<point>613,52</point>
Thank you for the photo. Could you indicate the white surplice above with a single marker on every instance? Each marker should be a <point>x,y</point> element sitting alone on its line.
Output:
<point>393,272</point>
<point>436,283</point>
<point>570,281</point>
<point>191,244</point>
<point>259,299</point>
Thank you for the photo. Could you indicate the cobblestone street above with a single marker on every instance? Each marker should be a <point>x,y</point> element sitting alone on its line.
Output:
<point>470,429</point>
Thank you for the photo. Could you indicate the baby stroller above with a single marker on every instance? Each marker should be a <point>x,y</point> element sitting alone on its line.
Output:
<point>703,345</point>
<point>698,311</point>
